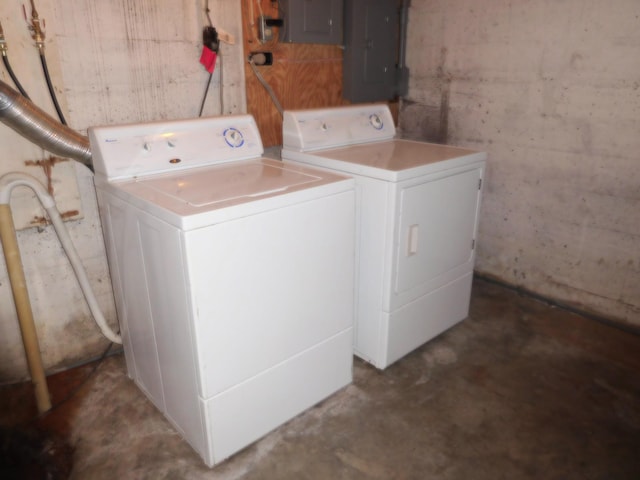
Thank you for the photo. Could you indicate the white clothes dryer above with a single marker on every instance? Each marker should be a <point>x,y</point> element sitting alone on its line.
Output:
<point>417,208</point>
<point>233,275</point>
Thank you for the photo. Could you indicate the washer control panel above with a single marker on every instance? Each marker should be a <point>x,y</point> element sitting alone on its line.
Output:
<point>127,151</point>
<point>307,130</point>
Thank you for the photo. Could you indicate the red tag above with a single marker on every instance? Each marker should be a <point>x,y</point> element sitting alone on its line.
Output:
<point>208,59</point>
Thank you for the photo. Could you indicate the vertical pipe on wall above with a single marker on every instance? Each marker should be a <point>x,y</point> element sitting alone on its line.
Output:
<point>23,307</point>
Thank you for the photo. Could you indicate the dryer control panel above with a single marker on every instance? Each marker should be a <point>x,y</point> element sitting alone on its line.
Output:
<point>314,129</point>
<point>127,151</point>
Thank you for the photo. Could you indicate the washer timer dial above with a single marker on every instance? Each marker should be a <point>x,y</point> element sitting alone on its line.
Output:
<point>233,137</point>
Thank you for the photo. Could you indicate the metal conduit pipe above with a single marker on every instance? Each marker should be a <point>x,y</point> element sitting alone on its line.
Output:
<point>13,179</point>
<point>39,127</point>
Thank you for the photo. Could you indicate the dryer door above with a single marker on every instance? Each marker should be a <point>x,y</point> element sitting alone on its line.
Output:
<point>437,228</point>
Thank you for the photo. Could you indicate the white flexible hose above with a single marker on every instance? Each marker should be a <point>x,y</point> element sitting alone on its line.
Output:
<point>13,179</point>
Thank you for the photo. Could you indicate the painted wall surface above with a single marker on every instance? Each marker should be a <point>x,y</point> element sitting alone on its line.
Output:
<point>551,90</point>
<point>111,62</point>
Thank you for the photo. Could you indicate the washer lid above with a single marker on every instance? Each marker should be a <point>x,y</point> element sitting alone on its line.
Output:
<point>200,197</point>
<point>226,183</point>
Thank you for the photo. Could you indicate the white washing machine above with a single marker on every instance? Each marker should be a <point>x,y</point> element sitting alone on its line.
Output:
<point>233,275</point>
<point>417,214</point>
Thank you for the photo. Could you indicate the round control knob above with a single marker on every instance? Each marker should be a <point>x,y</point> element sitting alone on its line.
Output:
<point>376,121</point>
<point>233,137</point>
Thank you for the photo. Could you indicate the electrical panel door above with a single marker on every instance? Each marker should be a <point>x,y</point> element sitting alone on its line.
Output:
<point>371,50</point>
<point>311,21</point>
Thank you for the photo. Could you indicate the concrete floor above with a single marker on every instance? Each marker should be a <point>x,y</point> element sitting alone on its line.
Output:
<point>519,390</point>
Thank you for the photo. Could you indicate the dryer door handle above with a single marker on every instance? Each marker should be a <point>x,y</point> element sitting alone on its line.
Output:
<point>412,240</point>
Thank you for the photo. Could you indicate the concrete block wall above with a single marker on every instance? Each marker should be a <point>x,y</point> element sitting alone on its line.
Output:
<point>551,90</point>
<point>110,62</point>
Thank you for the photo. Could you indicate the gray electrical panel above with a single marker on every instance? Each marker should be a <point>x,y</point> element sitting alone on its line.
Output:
<point>311,21</point>
<point>371,50</point>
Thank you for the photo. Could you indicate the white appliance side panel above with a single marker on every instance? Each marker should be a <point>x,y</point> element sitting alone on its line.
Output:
<point>374,237</point>
<point>248,411</point>
<point>267,286</point>
<point>112,219</point>
<point>132,296</point>
<point>167,287</point>
<point>418,322</point>
<point>437,230</point>
<point>151,297</point>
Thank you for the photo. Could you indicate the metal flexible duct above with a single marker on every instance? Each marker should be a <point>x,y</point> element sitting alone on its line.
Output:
<point>39,127</point>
